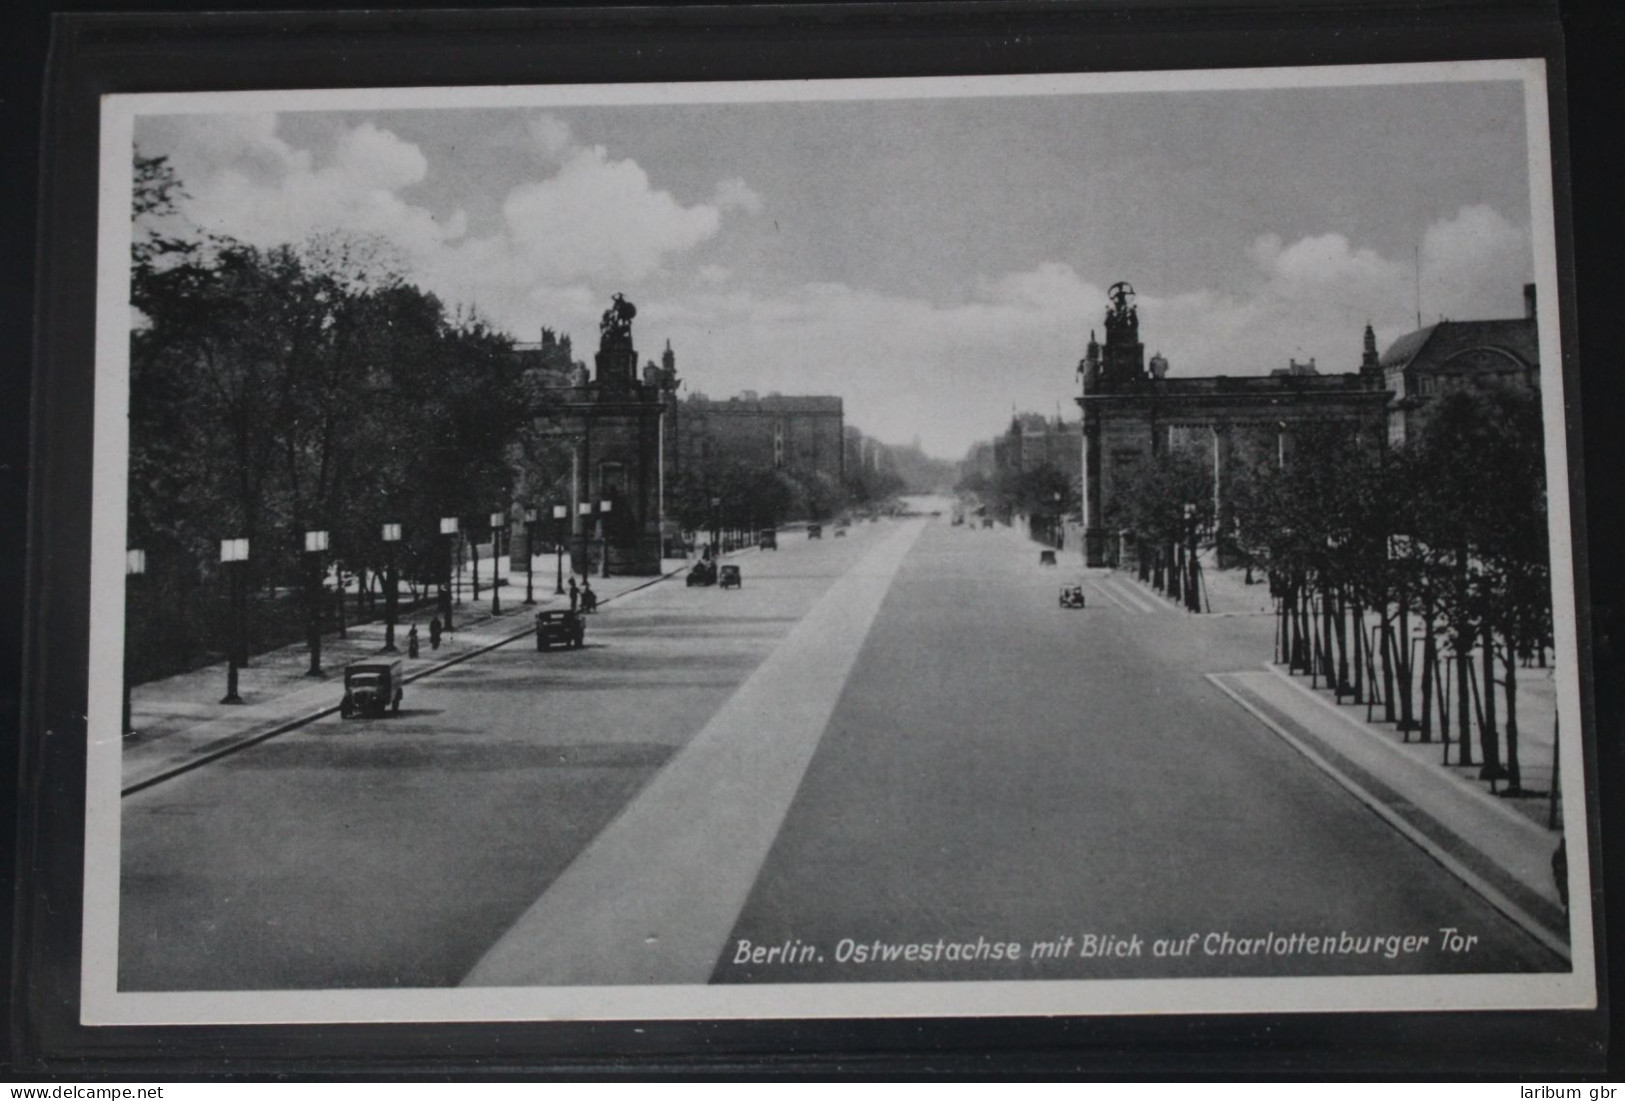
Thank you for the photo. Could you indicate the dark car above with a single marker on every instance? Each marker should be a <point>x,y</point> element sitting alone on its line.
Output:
<point>370,689</point>
<point>768,540</point>
<point>815,531</point>
<point>1071,596</point>
<point>730,578</point>
<point>703,573</point>
<point>1046,558</point>
<point>560,628</point>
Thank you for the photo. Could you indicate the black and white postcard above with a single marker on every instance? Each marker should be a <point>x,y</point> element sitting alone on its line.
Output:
<point>1014,545</point>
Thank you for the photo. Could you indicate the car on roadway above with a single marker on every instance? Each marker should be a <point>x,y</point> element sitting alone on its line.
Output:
<point>1071,596</point>
<point>815,531</point>
<point>840,533</point>
<point>371,688</point>
<point>561,627</point>
<point>703,573</point>
<point>768,539</point>
<point>1046,558</point>
<point>730,577</point>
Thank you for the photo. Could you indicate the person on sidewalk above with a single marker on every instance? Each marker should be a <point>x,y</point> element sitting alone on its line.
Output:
<point>575,594</point>
<point>434,633</point>
<point>589,599</point>
<point>412,642</point>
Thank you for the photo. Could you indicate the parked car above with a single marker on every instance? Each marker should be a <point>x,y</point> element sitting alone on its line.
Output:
<point>370,689</point>
<point>730,578</point>
<point>768,540</point>
<point>703,573</point>
<point>815,531</point>
<point>560,628</point>
<point>1046,558</point>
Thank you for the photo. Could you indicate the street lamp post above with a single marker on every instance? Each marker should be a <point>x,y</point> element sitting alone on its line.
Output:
<point>135,564</point>
<point>561,513</point>
<point>716,526</point>
<point>391,535</point>
<point>1056,534</point>
<point>233,553</point>
<point>603,531</point>
<point>497,520</point>
<point>448,528</point>
<point>530,557</point>
<point>1193,599</point>
<point>316,543</point>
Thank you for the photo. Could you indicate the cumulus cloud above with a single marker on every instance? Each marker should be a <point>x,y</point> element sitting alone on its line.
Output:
<point>243,179</point>
<point>550,133</point>
<point>735,194</point>
<point>584,224</point>
<point>1312,297</point>
<point>601,218</point>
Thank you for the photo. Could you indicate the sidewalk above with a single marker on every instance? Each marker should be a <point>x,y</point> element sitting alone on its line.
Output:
<point>180,723</point>
<point>1224,592</point>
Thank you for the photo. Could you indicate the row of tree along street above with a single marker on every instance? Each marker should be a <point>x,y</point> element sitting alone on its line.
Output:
<point>1414,579</point>
<point>312,401</point>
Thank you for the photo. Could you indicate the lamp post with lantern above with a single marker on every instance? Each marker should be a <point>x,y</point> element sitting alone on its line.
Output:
<point>233,555</point>
<point>497,520</point>
<point>530,556</point>
<point>316,543</point>
<point>135,564</point>
<point>561,513</point>
<point>1192,580</point>
<point>391,534</point>
<point>448,528</point>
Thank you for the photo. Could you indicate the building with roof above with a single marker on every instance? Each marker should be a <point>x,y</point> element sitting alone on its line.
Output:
<point>801,435</point>
<point>1422,366</point>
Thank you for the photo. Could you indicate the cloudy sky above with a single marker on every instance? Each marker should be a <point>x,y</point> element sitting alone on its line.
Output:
<point>931,261</point>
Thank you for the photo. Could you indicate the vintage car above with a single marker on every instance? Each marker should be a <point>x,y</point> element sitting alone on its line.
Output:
<point>987,521</point>
<point>840,533</point>
<point>370,689</point>
<point>703,573</point>
<point>1046,558</point>
<point>730,578</point>
<point>1071,596</point>
<point>768,539</point>
<point>560,628</point>
<point>815,531</point>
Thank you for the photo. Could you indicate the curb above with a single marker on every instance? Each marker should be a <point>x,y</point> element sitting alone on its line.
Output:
<point>322,713</point>
<point>1526,921</point>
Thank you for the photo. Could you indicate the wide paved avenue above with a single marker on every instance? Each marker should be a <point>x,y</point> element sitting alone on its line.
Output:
<point>1000,767</point>
<point>893,737</point>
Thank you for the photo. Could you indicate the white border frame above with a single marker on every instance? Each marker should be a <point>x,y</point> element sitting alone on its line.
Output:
<point>103,1004</point>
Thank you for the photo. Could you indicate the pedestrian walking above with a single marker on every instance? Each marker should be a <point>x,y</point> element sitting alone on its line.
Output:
<point>589,599</point>
<point>575,594</point>
<point>434,633</point>
<point>412,642</point>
